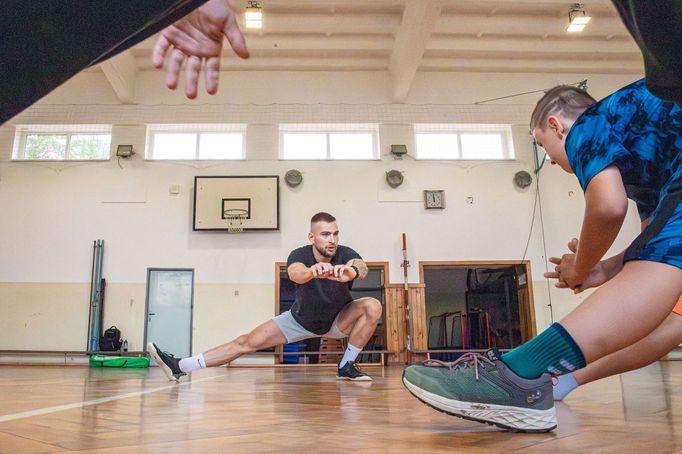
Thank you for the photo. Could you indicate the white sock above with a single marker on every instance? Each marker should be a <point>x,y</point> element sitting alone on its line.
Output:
<point>192,363</point>
<point>565,384</point>
<point>352,352</point>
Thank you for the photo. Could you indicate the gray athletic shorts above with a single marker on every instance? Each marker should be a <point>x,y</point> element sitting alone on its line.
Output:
<point>294,332</point>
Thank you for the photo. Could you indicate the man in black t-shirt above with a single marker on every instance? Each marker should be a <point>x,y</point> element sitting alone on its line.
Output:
<point>323,272</point>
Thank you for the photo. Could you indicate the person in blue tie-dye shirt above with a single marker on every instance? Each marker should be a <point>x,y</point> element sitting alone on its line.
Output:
<point>625,146</point>
<point>630,142</point>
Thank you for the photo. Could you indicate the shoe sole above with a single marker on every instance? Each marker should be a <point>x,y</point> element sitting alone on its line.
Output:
<point>365,378</point>
<point>166,370</point>
<point>513,419</point>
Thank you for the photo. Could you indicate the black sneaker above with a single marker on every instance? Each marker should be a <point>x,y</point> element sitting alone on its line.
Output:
<point>350,372</point>
<point>167,362</point>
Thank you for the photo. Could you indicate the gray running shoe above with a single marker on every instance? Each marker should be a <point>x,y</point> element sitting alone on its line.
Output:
<point>482,388</point>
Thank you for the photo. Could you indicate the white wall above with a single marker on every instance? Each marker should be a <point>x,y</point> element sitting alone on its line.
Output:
<point>51,212</point>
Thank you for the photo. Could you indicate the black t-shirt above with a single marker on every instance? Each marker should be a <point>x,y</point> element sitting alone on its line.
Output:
<point>657,29</point>
<point>48,42</point>
<point>319,301</point>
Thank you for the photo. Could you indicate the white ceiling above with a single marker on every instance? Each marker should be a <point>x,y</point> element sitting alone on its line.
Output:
<point>407,36</point>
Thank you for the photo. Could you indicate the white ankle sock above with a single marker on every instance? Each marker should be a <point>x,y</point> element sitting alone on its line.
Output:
<point>351,353</point>
<point>565,384</point>
<point>192,363</point>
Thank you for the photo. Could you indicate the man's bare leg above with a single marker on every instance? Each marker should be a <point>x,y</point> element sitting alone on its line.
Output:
<point>360,319</point>
<point>263,336</point>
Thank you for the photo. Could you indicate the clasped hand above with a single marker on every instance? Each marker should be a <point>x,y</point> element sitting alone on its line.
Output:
<point>338,273</point>
<point>566,274</point>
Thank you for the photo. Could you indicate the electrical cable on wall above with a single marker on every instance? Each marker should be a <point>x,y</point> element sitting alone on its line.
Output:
<point>537,206</point>
<point>544,248</point>
<point>532,222</point>
<point>581,85</point>
<point>539,164</point>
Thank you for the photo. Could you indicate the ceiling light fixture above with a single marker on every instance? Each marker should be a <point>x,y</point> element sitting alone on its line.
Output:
<point>577,18</point>
<point>253,14</point>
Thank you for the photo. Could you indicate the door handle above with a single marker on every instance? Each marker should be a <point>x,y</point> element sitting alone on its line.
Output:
<point>151,313</point>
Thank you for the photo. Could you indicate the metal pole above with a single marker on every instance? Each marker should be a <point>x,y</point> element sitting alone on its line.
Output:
<point>95,306</point>
<point>92,278</point>
<point>100,299</point>
<point>96,297</point>
<point>95,284</point>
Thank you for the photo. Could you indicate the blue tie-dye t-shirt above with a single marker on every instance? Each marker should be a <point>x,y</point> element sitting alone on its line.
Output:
<point>636,131</point>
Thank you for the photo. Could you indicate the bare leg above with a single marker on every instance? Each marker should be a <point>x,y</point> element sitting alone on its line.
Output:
<point>263,336</point>
<point>625,309</point>
<point>654,346</point>
<point>360,319</point>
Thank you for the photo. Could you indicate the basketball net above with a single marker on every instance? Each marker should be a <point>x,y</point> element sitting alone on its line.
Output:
<point>235,219</point>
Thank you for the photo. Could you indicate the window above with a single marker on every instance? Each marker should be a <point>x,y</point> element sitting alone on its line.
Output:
<point>465,142</point>
<point>62,142</point>
<point>336,142</point>
<point>195,142</point>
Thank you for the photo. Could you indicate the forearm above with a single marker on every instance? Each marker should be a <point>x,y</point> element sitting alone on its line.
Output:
<point>361,266</point>
<point>613,265</point>
<point>596,237</point>
<point>300,274</point>
<point>606,205</point>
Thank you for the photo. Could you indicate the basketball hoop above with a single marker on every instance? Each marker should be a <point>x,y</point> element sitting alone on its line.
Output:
<point>235,218</point>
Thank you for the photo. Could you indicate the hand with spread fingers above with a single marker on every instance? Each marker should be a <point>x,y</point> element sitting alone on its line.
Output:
<point>195,39</point>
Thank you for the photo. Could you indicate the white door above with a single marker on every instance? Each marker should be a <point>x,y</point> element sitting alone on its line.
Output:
<point>170,299</point>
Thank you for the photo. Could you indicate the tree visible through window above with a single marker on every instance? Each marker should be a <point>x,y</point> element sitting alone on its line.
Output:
<point>45,147</point>
<point>62,146</point>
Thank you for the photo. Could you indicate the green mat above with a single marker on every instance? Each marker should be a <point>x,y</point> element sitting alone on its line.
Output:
<point>118,361</point>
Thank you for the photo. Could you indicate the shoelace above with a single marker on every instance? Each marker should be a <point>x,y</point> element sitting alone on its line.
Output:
<point>466,360</point>
<point>353,365</point>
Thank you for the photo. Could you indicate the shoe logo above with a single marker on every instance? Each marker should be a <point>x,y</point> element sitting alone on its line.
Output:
<point>491,354</point>
<point>479,407</point>
<point>532,398</point>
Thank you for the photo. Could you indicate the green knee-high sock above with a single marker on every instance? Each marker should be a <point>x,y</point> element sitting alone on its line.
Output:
<point>553,350</point>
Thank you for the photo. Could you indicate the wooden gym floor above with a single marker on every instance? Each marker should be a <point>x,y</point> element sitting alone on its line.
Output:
<point>241,410</point>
